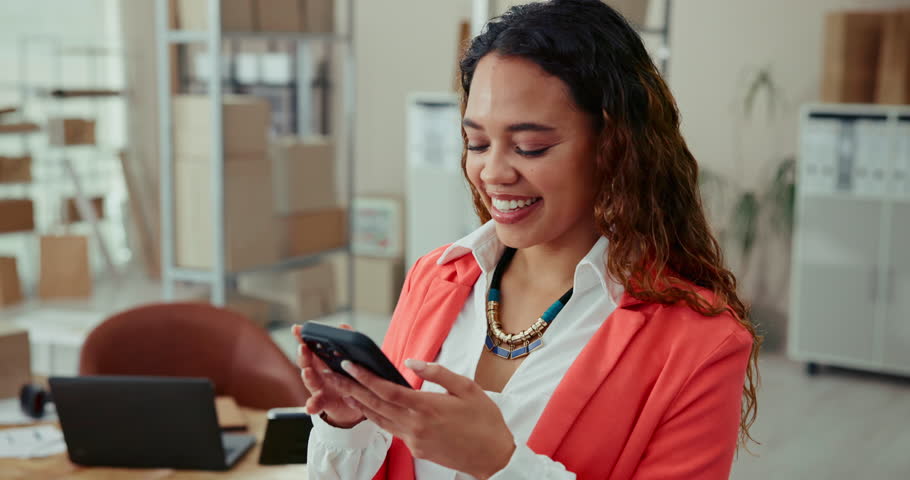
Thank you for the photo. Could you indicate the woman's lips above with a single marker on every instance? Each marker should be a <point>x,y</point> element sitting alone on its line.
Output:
<point>513,216</point>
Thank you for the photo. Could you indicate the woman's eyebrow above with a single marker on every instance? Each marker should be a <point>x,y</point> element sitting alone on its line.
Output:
<point>518,127</point>
<point>529,127</point>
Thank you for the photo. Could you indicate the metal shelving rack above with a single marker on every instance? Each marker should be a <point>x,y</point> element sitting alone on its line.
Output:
<point>218,277</point>
<point>61,171</point>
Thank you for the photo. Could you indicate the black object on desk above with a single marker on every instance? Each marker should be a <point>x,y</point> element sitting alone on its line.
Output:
<point>144,422</point>
<point>286,436</point>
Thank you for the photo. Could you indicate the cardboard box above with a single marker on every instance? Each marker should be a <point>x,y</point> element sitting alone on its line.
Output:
<point>635,11</point>
<point>851,55</point>
<point>250,230</point>
<point>303,174</point>
<point>71,211</point>
<point>312,232</point>
<point>245,124</point>
<point>65,268</point>
<point>279,15</point>
<point>377,284</point>
<point>16,215</point>
<point>893,84</point>
<point>10,285</point>
<point>71,131</point>
<point>15,360</point>
<point>236,15</point>
<point>319,16</point>
<point>15,169</point>
<point>318,278</point>
<point>311,16</point>
<point>261,312</point>
<point>305,293</point>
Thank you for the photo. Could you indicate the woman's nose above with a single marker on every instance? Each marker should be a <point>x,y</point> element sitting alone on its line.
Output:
<point>497,170</point>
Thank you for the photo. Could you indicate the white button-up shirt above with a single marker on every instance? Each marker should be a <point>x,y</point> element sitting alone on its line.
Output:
<point>357,453</point>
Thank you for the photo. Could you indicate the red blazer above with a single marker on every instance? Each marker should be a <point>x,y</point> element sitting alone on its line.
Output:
<point>655,394</point>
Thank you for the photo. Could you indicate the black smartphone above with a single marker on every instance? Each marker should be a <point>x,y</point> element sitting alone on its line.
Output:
<point>334,345</point>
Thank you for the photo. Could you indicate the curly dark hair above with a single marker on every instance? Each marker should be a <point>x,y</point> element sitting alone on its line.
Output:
<point>649,205</point>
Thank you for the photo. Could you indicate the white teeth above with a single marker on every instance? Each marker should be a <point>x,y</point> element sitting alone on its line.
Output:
<point>509,205</point>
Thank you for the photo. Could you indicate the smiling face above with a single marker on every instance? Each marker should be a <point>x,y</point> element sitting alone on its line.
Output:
<point>531,154</point>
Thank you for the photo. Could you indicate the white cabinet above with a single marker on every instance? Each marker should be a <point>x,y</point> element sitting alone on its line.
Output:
<point>850,277</point>
<point>897,293</point>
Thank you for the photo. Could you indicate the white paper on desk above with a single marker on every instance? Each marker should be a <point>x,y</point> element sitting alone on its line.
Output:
<point>31,442</point>
<point>11,413</point>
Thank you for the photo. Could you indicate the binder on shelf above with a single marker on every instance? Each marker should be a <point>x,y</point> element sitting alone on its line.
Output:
<point>873,147</point>
<point>900,178</point>
<point>819,154</point>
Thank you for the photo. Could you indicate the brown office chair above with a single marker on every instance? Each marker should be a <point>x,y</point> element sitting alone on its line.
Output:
<point>196,340</point>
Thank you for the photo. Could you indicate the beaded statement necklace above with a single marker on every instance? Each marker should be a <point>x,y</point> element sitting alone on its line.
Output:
<point>517,345</point>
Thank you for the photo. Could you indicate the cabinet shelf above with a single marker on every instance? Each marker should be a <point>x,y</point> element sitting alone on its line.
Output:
<point>850,271</point>
<point>205,276</point>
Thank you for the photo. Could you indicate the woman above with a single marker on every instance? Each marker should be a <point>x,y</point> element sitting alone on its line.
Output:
<point>642,364</point>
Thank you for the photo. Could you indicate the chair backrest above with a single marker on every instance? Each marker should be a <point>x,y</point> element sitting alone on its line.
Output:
<point>196,340</point>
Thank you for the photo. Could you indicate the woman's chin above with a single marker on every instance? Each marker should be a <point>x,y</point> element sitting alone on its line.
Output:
<point>516,236</point>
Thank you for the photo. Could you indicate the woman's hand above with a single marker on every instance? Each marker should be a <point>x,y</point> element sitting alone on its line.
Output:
<point>462,429</point>
<point>324,386</point>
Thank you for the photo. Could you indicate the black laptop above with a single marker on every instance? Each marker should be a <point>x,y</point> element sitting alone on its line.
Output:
<point>144,422</point>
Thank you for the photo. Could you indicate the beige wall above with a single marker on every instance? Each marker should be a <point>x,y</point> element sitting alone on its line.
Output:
<point>402,46</point>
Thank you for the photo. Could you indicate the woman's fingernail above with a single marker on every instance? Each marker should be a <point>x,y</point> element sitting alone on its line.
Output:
<point>348,367</point>
<point>414,364</point>
<point>300,350</point>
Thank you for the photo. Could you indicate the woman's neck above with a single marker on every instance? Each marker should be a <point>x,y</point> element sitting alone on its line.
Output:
<point>551,266</point>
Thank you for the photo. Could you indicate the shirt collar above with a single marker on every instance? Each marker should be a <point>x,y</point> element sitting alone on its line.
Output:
<point>483,243</point>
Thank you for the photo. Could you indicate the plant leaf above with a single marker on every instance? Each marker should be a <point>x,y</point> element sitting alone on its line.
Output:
<point>745,222</point>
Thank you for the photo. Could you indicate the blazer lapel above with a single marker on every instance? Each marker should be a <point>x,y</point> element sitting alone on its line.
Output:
<point>585,376</point>
<point>438,311</point>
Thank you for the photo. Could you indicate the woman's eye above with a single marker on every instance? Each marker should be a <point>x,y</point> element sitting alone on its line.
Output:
<point>531,153</point>
<point>477,148</point>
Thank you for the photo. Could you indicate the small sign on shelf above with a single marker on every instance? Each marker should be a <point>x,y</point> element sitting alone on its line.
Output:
<point>378,227</point>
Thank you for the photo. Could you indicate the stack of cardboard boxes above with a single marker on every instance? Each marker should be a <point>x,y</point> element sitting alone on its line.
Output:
<point>310,220</point>
<point>250,234</point>
<point>311,16</point>
<point>280,202</point>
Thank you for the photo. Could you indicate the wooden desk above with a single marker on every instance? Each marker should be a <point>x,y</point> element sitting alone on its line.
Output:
<point>59,466</point>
